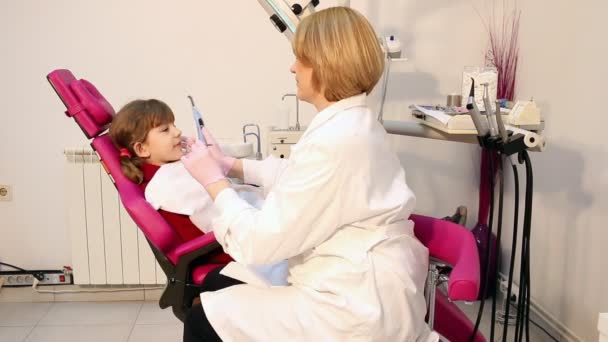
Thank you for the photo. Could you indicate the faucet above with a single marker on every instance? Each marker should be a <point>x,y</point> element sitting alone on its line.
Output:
<point>297,109</point>
<point>258,154</point>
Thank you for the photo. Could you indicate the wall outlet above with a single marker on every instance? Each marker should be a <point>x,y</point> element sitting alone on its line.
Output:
<point>6,193</point>
<point>21,278</point>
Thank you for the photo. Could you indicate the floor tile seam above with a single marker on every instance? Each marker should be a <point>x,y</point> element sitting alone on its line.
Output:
<point>48,310</point>
<point>20,326</point>
<point>141,306</point>
<point>65,325</point>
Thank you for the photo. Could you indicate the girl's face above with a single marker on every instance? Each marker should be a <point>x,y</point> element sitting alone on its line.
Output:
<point>306,91</point>
<point>163,145</point>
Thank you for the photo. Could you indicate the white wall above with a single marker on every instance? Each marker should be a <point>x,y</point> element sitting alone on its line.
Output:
<point>563,66</point>
<point>236,67</point>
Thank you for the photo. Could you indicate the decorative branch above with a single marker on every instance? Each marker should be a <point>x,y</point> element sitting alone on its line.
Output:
<point>503,52</point>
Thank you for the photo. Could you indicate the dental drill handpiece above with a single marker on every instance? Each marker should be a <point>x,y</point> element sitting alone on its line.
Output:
<point>489,115</point>
<point>513,159</point>
<point>198,119</point>
<point>482,130</point>
<point>501,126</point>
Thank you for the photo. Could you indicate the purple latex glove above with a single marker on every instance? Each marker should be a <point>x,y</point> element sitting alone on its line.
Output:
<point>201,164</point>
<point>225,161</point>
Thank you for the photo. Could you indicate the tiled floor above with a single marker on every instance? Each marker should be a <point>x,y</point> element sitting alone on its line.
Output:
<point>129,322</point>
<point>89,321</point>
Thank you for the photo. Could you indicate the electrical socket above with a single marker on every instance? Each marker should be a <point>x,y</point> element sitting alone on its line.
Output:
<point>21,278</point>
<point>6,193</point>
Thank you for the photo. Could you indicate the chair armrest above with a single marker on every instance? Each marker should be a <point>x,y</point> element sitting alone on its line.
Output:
<point>180,284</point>
<point>197,244</point>
<point>191,251</point>
<point>464,278</point>
<point>455,245</point>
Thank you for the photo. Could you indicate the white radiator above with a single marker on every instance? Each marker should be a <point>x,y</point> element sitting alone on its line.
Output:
<point>107,246</point>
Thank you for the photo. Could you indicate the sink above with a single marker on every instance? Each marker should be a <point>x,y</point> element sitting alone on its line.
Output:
<point>236,148</point>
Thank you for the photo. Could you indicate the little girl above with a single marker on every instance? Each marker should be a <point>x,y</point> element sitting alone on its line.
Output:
<point>150,150</point>
<point>145,134</point>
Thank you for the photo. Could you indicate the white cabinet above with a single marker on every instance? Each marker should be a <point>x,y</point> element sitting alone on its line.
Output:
<point>602,326</point>
<point>281,141</point>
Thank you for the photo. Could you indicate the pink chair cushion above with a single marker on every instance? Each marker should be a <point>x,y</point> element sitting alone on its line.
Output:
<point>200,272</point>
<point>451,322</point>
<point>93,102</point>
<point>83,102</point>
<point>455,245</point>
<point>191,246</point>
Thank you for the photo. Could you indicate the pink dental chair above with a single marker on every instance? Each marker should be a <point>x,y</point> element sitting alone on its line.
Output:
<point>186,263</point>
<point>452,250</point>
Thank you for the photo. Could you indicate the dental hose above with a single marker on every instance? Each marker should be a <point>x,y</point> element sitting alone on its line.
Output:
<point>524,296</point>
<point>529,175</point>
<point>498,239</point>
<point>487,260</point>
<point>523,305</point>
<point>513,251</point>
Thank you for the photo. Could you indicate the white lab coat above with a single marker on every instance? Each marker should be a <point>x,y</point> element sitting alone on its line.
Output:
<point>337,210</point>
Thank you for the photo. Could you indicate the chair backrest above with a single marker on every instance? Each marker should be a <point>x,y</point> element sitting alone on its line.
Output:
<point>455,245</point>
<point>94,114</point>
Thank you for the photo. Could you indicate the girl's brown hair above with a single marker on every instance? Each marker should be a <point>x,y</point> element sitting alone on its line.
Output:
<point>131,125</point>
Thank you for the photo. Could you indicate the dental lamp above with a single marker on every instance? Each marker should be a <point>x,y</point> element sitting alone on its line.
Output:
<point>285,15</point>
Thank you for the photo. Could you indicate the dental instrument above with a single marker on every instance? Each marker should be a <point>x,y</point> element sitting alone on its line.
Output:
<point>501,126</point>
<point>488,107</point>
<point>198,119</point>
<point>482,130</point>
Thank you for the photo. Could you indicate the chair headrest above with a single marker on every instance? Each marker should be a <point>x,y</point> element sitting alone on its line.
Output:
<point>93,114</point>
<point>83,101</point>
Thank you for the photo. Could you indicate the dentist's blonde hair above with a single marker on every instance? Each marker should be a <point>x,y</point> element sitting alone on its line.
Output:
<point>343,50</point>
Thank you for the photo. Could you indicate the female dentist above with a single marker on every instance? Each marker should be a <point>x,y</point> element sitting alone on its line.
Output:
<point>337,210</point>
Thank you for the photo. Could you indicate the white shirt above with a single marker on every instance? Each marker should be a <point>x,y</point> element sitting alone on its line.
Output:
<point>173,189</point>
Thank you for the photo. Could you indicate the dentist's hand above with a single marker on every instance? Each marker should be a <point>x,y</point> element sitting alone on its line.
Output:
<point>225,161</point>
<point>186,142</point>
<point>202,165</point>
